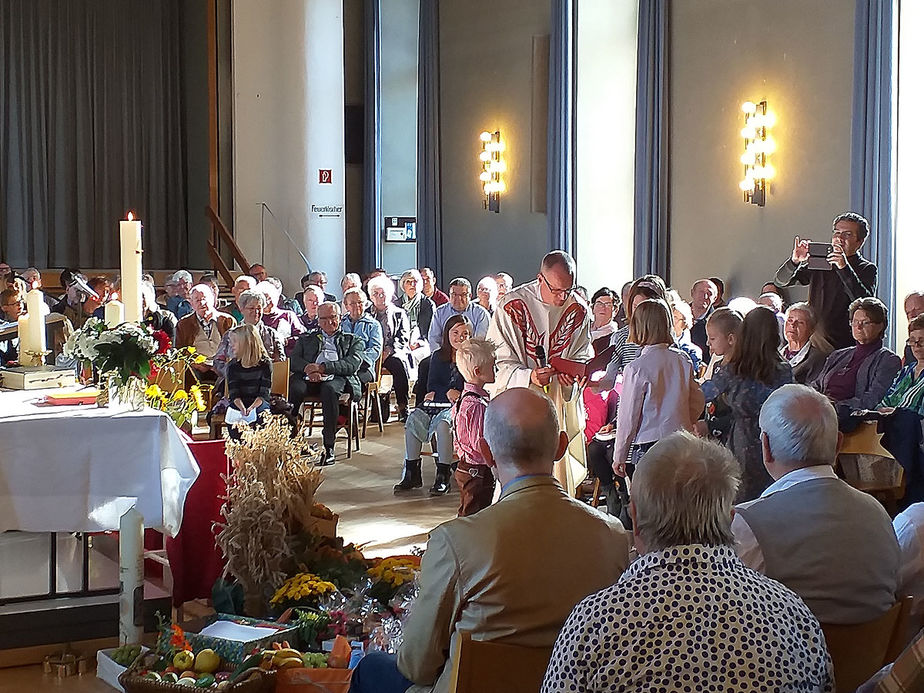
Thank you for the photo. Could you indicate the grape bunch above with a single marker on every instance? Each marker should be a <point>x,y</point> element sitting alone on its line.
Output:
<point>126,654</point>
<point>315,660</point>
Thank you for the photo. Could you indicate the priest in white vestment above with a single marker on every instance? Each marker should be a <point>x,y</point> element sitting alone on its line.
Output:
<point>534,323</point>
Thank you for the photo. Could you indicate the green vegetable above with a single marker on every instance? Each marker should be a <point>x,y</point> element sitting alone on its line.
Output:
<point>205,681</point>
<point>249,663</point>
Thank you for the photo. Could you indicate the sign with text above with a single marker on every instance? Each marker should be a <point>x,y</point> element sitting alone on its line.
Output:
<point>400,229</point>
<point>326,211</point>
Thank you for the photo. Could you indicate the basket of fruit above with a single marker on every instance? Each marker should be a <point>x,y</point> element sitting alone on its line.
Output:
<point>155,673</point>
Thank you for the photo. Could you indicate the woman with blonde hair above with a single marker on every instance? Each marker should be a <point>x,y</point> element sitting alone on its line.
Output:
<point>249,373</point>
<point>660,394</point>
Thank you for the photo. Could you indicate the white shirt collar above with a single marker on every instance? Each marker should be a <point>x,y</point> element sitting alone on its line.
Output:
<point>819,471</point>
<point>801,355</point>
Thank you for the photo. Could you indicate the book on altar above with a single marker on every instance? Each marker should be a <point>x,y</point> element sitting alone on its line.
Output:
<point>583,369</point>
<point>233,416</point>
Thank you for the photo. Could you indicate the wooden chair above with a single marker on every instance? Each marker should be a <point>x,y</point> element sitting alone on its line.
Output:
<point>347,403</point>
<point>869,467</point>
<point>859,651</point>
<point>171,380</point>
<point>280,384</point>
<point>372,392</point>
<point>489,667</point>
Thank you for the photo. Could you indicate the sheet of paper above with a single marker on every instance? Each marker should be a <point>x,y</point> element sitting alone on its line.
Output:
<point>233,416</point>
<point>228,630</point>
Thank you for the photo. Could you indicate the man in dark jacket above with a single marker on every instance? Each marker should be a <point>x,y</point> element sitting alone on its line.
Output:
<point>831,290</point>
<point>324,363</point>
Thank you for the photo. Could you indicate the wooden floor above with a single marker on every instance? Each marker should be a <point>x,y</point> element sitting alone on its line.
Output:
<point>360,491</point>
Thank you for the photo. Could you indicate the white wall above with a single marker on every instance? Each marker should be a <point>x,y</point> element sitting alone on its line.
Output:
<point>799,56</point>
<point>606,72</point>
<point>287,126</point>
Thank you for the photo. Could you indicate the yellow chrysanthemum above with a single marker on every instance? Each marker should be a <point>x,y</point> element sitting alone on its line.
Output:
<point>180,395</point>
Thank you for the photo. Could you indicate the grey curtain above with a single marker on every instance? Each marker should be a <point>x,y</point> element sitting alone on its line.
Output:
<point>429,215</point>
<point>874,117</point>
<point>90,126</point>
<point>372,160</point>
<point>652,156</point>
<point>560,193</point>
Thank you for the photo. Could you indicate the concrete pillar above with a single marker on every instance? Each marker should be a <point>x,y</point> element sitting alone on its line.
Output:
<point>288,135</point>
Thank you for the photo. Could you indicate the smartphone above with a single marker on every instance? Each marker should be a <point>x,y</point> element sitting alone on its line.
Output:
<point>818,255</point>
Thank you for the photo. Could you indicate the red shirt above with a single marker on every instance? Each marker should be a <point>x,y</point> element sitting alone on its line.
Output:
<point>439,298</point>
<point>470,423</point>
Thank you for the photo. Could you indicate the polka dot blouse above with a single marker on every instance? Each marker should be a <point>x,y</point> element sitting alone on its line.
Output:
<point>691,619</point>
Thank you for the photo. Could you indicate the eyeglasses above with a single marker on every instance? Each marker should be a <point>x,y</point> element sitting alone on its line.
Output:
<point>862,324</point>
<point>603,303</point>
<point>915,343</point>
<point>843,234</point>
<point>564,293</point>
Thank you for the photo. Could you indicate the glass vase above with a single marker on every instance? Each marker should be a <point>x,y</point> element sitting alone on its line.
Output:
<point>128,394</point>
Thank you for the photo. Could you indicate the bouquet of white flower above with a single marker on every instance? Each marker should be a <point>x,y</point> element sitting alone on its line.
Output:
<point>124,351</point>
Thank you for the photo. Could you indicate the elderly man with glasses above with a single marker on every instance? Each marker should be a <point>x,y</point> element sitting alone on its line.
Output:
<point>533,324</point>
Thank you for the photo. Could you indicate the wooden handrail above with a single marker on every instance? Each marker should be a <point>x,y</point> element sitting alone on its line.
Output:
<point>224,236</point>
<point>219,265</point>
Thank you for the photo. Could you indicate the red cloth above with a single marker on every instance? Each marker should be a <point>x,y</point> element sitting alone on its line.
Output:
<point>600,409</point>
<point>195,560</point>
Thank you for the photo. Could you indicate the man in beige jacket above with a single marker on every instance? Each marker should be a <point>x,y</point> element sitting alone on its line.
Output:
<point>512,572</point>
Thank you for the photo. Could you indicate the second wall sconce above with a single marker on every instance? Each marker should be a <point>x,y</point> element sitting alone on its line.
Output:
<point>758,145</point>
<point>493,168</point>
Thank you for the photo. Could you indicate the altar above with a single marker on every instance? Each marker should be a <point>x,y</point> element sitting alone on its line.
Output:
<point>80,468</point>
<point>67,472</point>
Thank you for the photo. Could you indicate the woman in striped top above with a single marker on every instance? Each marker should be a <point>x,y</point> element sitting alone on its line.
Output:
<point>250,373</point>
<point>650,286</point>
<point>907,391</point>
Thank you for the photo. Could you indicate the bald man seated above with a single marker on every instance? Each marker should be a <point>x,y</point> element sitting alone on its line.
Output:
<point>829,543</point>
<point>512,572</point>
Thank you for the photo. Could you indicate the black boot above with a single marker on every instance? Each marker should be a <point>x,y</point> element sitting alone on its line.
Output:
<point>411,478</point>
<point>441,483</point>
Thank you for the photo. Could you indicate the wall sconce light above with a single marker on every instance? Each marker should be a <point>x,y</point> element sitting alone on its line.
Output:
<point>758,146</point>
<point>493,168</point>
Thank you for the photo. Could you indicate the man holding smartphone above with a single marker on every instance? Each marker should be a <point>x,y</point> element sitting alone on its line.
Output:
<point>836,275</point>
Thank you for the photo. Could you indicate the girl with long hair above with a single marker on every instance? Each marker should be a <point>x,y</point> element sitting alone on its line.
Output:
<point>752,370</point>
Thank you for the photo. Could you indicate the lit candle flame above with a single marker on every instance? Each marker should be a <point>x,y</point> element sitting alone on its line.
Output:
<point>130,216</point>
<point>114,296</point>
<point>35,285</point>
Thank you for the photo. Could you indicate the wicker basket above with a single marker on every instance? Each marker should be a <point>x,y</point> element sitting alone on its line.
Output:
<point>250,681</point>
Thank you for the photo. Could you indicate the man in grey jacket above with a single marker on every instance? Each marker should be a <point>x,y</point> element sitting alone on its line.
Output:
<point>829,543</point>
<point>512,572</point>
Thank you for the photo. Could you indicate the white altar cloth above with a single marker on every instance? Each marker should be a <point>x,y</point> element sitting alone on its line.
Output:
<point>80,468</point>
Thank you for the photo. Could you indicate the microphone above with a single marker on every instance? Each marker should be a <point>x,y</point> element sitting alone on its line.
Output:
<point>540,356</point>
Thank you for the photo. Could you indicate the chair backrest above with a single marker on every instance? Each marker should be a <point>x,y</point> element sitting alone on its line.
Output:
<point>171,380</point>
<point>280,384</point>
<point>864,440</point>
<point>489,667</point>
<point>859,651</point>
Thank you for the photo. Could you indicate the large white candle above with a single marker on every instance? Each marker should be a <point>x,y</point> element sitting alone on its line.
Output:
<point>23,325</point>
<point>35,302</point>
<point>131,577</point>
<point>130,244</point>
<point>114,312</point>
